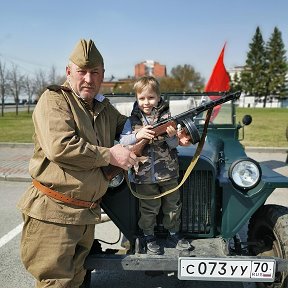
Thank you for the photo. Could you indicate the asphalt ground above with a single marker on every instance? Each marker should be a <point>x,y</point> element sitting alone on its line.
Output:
<point>14,177</point>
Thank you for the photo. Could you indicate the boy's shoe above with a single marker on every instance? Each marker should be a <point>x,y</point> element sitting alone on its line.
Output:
<point>151,245</point>
<point>178,242</point>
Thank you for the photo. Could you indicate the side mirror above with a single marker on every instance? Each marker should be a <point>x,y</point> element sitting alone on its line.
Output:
<point>247,120</point>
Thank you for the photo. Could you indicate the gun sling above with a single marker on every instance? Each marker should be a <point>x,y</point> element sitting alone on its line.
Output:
<point>61,197</point>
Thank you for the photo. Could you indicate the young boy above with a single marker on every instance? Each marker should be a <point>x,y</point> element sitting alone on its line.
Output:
<point>159,170</point>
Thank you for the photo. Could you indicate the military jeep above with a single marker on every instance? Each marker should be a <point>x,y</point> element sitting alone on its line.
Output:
<point>225,191</point>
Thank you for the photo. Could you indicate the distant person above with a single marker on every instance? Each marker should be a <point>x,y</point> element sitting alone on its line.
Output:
<point>74,130</point>
<point>159,170</point>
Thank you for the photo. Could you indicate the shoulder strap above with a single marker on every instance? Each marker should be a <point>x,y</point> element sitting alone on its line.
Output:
<point>56,88</point>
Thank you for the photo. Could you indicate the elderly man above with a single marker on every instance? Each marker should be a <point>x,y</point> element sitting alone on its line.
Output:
<point>75,129</point>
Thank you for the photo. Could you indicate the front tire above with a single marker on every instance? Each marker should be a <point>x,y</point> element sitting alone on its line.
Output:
<point>268,227</point>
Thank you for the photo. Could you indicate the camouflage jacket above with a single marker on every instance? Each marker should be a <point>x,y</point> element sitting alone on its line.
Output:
<point>159,161</point>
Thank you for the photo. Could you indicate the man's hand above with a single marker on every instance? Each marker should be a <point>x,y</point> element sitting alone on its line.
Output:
<point>122,157</point>
<point>145,133</point>
<point>184,139</point>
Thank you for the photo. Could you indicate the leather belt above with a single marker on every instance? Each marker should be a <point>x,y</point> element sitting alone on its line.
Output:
<point>61,197</point>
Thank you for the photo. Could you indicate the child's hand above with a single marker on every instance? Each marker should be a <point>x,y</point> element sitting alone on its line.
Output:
<point>171,131</point>
<point>145,133</point>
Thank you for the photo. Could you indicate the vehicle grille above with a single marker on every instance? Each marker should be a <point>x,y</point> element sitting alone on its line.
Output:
<point>196,201</point>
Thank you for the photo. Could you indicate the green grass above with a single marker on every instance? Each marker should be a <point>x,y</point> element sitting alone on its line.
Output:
<point>16,129</point>
<point>268,127</point>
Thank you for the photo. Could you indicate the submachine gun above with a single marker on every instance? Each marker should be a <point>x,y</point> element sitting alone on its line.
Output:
<point>185,120</point>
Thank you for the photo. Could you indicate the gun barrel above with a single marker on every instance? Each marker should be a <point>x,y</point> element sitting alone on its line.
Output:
<point>203,107</point>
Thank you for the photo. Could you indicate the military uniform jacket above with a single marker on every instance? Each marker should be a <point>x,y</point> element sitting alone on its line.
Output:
<point>70,147</point>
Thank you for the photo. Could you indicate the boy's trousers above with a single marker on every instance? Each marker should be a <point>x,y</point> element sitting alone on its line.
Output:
<point>149,209</point>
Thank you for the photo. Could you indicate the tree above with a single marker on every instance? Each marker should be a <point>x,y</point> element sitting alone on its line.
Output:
<point>266,67</point>
<point>52,75</point>
<point>125,87</point>
<point>169,84</point>
<point>16,84</point>
<point>40,82</point>
<point>236,83</point>
<point>254,76</point>
<point>53,78</point>
<point>276,65</point>
<point>188,79</point>
<point>30,89</point>
<point>4,85</point>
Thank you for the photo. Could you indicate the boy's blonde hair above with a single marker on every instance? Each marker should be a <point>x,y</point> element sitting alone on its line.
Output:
<point>149,82</point>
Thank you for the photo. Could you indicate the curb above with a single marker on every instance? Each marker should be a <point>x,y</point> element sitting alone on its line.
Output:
<point>15,178</point>
<point>248,148</point>
<point>14,145</point>
<point>25,177</point>
<point>267,149</point>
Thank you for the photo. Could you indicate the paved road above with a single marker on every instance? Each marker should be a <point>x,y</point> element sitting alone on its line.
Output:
<point>14,168</point>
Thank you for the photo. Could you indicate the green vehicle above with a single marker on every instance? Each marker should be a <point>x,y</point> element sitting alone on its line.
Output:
<point>225,191</point>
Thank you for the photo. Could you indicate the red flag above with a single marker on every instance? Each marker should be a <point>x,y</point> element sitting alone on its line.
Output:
<point>219,81</point>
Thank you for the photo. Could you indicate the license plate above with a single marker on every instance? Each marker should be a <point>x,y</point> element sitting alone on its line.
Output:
<point>225,269</point>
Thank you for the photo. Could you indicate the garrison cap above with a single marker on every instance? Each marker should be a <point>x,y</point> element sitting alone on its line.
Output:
<point>86,55</point>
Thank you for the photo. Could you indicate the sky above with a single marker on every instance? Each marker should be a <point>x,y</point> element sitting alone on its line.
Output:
<point>38,34</point>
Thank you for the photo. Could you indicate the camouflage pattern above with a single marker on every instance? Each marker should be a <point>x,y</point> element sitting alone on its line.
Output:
<point>161,161</point>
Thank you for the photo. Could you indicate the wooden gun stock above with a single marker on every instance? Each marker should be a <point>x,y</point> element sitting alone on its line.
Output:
<point>138,147</point>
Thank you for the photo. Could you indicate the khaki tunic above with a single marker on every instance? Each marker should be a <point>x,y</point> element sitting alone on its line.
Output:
<point>70,147</point>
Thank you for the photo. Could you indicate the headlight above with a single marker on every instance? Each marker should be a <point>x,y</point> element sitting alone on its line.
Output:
<point>116,181</point>
<point>245,173</point>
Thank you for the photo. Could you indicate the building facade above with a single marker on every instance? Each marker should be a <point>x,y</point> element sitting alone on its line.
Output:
<point>150,68</point>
